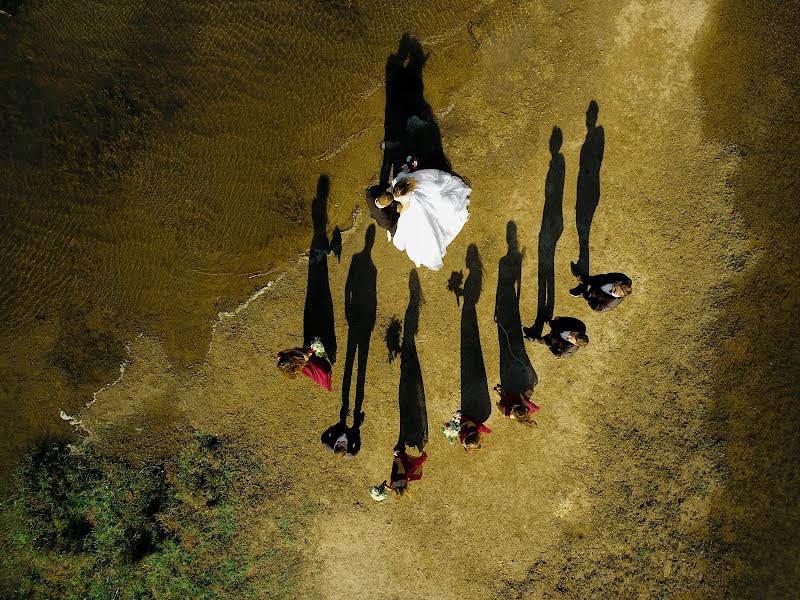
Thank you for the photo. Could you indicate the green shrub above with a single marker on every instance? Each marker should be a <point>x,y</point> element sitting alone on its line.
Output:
<point>85,526</point>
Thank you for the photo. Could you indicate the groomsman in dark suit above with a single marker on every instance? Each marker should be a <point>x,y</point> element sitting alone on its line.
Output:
<point>603,292</point>
<point>567,335</point>
<point>342,440</point>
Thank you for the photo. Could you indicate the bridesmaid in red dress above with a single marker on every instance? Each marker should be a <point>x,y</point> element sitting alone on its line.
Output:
<point>405,468</point>
<point>307,361</point>
<point>516,406</point>
<point>470,433</point>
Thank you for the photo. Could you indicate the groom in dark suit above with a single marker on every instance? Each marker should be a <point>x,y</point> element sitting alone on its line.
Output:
<point>384,217</point>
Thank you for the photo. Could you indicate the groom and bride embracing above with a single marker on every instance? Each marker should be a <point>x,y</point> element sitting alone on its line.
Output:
<point>422,212</point>
<point>425,206</point>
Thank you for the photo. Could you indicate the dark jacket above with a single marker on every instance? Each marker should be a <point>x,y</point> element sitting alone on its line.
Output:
<point>384,217</point>
<point>560,347</point>
<point>352,434</point>
<point>599,300</point>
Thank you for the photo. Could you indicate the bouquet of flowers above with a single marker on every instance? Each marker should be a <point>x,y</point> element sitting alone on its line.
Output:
<point>451,428</point>
<point>318,348</point>
<point>379,492</point>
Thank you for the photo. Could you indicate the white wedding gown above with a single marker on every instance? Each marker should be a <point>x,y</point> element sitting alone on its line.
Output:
<point>434,213</point>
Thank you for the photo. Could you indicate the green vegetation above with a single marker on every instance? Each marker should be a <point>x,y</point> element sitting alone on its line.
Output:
<point>80,525</point>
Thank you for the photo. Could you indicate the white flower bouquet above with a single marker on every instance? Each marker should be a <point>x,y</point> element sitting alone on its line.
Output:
<point>451,428</point>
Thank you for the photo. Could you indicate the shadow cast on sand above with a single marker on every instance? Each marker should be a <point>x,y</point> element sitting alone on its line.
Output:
<point>413,412</point>
<point>410,127</point>
<point>475,400</point>
<point>550,232</point>
<point>318,320</point>
<point>516,372</point>
<point>360,309</point>
<point>392,336</point>
<point>588,192</point>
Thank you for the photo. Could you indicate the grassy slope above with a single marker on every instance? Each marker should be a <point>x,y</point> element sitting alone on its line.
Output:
<point>748,74</point>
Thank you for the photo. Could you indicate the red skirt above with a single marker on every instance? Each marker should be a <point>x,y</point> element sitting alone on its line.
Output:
<point>508,402</point>
<point>318,370</point>
<point>412,466</point>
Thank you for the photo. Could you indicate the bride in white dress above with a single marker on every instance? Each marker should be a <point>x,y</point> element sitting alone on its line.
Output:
<point>433,209</point>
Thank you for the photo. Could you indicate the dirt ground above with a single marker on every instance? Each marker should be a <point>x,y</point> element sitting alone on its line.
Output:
<point>663,463</point>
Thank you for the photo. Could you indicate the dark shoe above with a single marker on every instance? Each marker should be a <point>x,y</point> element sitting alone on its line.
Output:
<point>574,268</point>
<point>577,291</point>
<point>530,335</point>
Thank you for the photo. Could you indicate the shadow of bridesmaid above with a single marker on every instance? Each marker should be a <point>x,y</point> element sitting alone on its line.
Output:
<point>413,412</point>
<point>475,400</point>
<point>516,372</point>
<point>318,318</point>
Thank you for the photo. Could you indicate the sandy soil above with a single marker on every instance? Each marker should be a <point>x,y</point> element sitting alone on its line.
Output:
<point>643,475</point>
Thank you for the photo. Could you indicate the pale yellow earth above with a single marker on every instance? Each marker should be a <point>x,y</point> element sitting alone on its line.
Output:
<point>637,481</point>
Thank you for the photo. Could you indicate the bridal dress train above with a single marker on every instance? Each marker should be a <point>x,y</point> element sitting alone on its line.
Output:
<point>434,213</point>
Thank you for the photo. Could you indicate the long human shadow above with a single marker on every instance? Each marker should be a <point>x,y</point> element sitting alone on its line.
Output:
<point>475,400</point>
<point>413,413</point>
<point>410,127</point>
<point>588,192</point>
<point>550,232</point>
<point>516,372</point>
<point>318,312</point>
<point>360,309</point>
